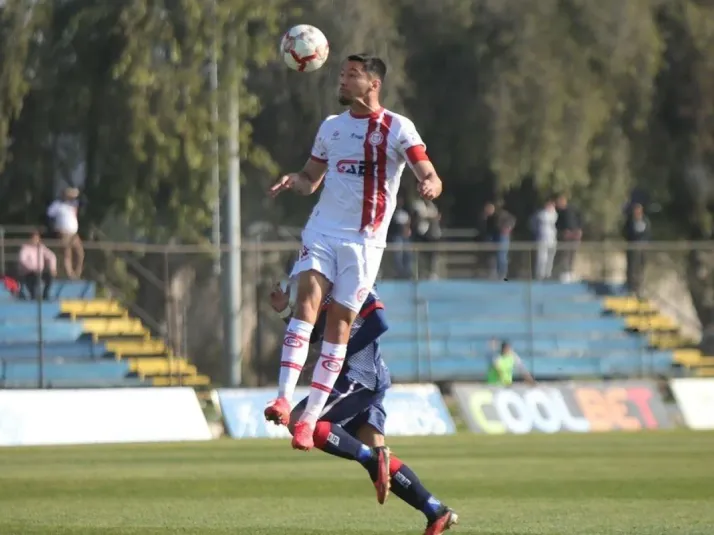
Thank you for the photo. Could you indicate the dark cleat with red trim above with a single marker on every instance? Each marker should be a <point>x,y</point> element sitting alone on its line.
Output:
<point>444,521</point>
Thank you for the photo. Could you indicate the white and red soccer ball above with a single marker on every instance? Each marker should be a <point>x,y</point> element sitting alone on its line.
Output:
<point>304,48</point>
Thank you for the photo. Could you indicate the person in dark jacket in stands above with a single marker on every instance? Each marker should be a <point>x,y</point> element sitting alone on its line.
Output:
<point>569,235</point>
<point>495,226</point>
<point>505,223</point>
<point>485,231</point>
<point>637,230</point>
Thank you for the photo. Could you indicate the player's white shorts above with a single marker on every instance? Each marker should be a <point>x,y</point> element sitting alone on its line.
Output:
<point>351,267</point>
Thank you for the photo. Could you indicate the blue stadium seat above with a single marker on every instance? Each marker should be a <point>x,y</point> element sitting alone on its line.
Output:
<point>63,289</point>
<point>101,370</point>
<point>121,382</point>
<point>461,290</point>
<point>52,331</point>
<point>444,330</point>
<point>27,311</point>
<point>504,328</point>
<point>452,346</point>
<point>449,369</point>
<point>80,349</point>
<point>502,308</point>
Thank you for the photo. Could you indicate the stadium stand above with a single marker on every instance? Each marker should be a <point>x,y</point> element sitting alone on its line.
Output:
<point>87,342</point>
<point>447,330</point>
<point>662,332</point>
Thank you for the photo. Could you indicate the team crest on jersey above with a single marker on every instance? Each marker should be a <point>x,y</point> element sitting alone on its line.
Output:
<point>362,294</point>
<point>336,135</point>
<point>376,138</point>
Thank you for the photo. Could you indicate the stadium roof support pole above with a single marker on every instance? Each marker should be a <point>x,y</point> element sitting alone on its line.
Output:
<point>232,274</point>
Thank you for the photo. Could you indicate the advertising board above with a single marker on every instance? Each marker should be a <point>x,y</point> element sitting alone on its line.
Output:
<point>562,407</point>
<point>412,410</point>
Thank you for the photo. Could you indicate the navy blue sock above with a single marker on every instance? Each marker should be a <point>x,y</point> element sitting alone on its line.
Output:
<point>333,439</point>
<point>407,486</point>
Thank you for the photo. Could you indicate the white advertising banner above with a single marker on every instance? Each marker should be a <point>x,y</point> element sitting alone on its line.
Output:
<point>695,398</point>
<point>96,416</point>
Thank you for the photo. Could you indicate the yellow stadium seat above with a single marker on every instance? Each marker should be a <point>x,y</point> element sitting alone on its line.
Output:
<point>115,327</point>
<point>688,357</point>
<point>95,307</point>
<point>705,372</point>
<point>161,366</point>
<point>188,380</point>
<point>670,340</point>
<point>651,323</point>
<point>137,347</point>
<point>628,305</point>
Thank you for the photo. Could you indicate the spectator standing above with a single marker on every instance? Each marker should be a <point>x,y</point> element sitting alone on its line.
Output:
<point>37,263</point>
<point>485,231</point>
<point>569,233</point>
<point>637,230</point>
<point>543,226</point>
<point>400,233</point>
<point>65,222</point>
<point>505,223</point>
<point>427,228</point>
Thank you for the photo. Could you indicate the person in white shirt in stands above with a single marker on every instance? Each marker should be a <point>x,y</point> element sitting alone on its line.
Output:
<point>36,263</point>
<point>544,228</point>
<point>65,223</point>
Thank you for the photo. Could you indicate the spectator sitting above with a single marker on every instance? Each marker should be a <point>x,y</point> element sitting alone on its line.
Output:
<point>504,364</point>
<point>65,223</point>
<point>36,263</point>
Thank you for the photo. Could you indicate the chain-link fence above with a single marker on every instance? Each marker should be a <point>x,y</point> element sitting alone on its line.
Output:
<point>176,292</point>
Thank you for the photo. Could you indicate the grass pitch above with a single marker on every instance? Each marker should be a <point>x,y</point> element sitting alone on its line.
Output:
<point>643,484</point>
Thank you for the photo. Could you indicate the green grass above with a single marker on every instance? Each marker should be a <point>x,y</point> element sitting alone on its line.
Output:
<point>643,484</point>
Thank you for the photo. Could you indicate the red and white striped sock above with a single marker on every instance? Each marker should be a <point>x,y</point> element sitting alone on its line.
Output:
<point>328,368</point>
<point>296,345</point>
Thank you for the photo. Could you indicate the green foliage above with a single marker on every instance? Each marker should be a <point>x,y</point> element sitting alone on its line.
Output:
<point>514,99</point>
<point>116,95</point>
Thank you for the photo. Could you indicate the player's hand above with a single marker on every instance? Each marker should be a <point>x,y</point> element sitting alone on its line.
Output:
<point>285,183</point>
<point>430,188</point>
<point>279,300</point>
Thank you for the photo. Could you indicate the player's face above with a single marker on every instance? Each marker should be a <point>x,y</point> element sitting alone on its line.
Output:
<point>355,83</point>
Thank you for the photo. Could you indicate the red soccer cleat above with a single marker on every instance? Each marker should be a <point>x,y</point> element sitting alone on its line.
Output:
<point>302,436</point>
<point>447,519</point>
<point>278,411</point>
<point>383,478</point>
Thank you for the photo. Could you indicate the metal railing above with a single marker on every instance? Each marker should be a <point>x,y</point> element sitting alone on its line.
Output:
<point>176,291</point>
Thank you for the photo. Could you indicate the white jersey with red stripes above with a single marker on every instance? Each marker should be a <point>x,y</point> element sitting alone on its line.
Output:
<point>365,157</point>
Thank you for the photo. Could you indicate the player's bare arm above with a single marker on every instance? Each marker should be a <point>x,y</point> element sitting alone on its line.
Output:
<point>430,186</point>
<point>304,182</point>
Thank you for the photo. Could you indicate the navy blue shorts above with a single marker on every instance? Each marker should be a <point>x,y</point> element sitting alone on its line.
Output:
<point>351,405</point>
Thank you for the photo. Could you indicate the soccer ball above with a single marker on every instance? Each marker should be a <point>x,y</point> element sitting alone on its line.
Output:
<point>304,48</point>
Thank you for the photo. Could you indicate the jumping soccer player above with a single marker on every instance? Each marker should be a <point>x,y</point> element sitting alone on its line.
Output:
<point>360,154</point>
<point>352,424</point>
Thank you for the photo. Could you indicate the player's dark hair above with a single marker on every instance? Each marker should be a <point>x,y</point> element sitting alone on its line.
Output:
<point>372,64</point>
